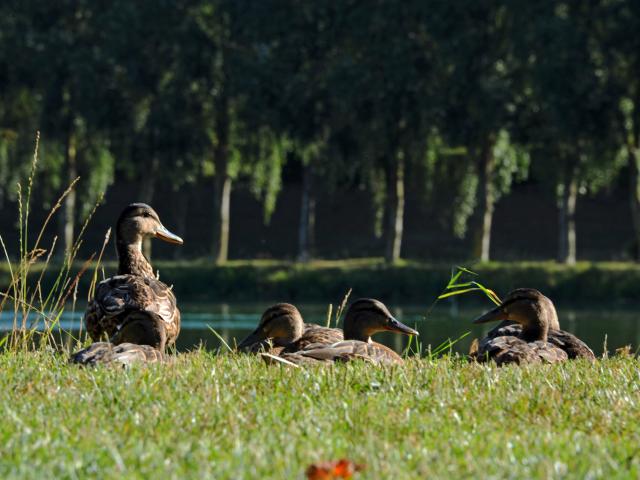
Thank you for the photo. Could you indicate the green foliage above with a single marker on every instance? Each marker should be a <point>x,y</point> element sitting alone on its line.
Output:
<point>267,172</point>
<point>512,163</point>
<point>155,92</point>
<point>455,287</point>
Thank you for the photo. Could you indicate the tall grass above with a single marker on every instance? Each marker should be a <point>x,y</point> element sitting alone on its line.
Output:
<point>456,286</point>
<point>37,308</point>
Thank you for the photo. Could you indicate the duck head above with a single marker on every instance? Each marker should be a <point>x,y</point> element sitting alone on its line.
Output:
<point>529,308</point>
<point>281,324</point>
<point>366,317</point>
<point>138,221</point>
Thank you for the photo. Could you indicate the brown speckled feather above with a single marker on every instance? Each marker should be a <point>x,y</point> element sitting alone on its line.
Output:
<point>123,354</point>
<point>117,297</point>
<point>345,351</point>
<point>509,349</point>
<point>313,334</point>
<point>572,345</point>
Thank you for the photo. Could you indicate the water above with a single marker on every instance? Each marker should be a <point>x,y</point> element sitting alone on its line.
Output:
<point>233,322</point>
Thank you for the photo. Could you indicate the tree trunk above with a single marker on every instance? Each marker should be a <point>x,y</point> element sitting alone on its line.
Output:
<point>395,226</point>
<point>486,197</point>
<point>67,219</point>
<point>567,217</point>
<point>634,195</point>
<point>222,183</point>
<point>306,228</point>
<point>222,204</point>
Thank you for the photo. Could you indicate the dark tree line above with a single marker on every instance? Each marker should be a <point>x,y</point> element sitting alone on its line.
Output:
<point>467,95</point>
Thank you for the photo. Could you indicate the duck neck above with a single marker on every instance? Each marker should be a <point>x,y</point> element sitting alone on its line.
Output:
<point>352,332</point>
<point>131,260</point>
<point>535,332</point>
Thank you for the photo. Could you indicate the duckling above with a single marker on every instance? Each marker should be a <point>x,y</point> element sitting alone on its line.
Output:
<point>281,329</point>
<point>534,337</point>
<point>364,318</point>
<point>134,301</point>
<point>147,332</point>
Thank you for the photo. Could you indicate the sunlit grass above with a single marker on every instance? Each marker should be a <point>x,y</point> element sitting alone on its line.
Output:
<point>207,416</point>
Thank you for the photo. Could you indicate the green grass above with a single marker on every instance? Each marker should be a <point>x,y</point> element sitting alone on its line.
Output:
<point>233,417</point>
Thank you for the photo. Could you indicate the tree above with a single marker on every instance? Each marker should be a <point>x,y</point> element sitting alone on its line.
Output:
<point>483,88</point>
<point>19,108</point>
<point>619,49</point>
<point>61,47</point>
<point>388,71</point>
<point>571,109</point>
<point>232,67</point>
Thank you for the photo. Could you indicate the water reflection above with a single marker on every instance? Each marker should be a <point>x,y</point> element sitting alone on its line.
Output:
<point>613,328</point>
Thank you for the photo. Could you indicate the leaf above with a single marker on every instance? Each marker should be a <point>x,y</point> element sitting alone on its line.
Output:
<point>222,340</point>
<point>466,270</point>
<point>489,293</point>
<point>342,468</point>
<point>458,292</point>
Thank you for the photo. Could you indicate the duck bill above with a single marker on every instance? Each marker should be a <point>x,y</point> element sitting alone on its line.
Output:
<point>163,234</point>
<point>492,316</point>
<point>253,338</point>
<point>399,327</point>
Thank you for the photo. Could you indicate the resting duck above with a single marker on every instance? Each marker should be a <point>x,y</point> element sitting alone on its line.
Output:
<point>124,354</point>
<point>534,337</point>
<point>364,318</point>
<point>282,330</point>
<point>134,306</point>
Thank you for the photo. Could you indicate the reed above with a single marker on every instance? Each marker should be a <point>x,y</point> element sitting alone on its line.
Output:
<point>36,307</point>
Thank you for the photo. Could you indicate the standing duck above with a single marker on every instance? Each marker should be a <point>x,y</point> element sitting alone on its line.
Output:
<point>133,307</point>
<point>282,330</point>
<point>530,332</point>
<point>364,318</point>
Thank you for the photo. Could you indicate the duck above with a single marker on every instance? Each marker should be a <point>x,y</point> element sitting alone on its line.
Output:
<point>281,329</point>
<point>124,354</point>
<point>149,333</point>
<point>134,306</point>
<point>530,332</point>
<point>364,318</point>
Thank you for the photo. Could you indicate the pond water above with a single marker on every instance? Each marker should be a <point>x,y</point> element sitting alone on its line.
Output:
<point>613,328</point>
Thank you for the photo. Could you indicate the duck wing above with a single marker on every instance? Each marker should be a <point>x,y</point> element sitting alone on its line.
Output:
<point>315,334</point>
<point>572,345</point>
<point>511,349</point>
<point>344,351</point>
<point>118,297</point>
<point>124,354</point>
